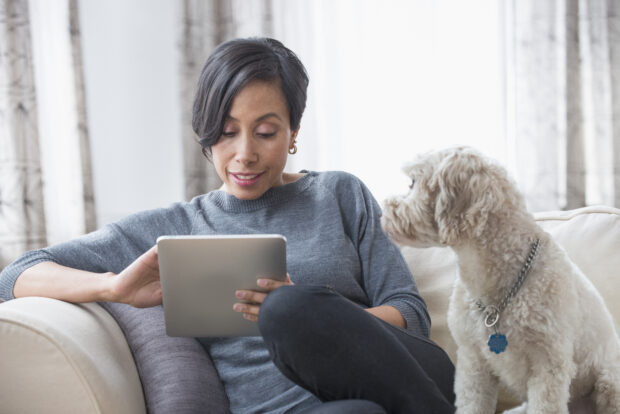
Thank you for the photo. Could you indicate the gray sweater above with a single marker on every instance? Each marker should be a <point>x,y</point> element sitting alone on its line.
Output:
<point>334,238</point>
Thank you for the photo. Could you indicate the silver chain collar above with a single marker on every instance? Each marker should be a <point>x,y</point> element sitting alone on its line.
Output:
<point>493,312</point>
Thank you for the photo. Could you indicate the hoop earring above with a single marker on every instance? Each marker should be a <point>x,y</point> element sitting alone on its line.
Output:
<point>293,150</point>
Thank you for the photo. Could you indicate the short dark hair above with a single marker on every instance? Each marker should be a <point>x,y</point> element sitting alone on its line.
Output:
<point>234,64</point>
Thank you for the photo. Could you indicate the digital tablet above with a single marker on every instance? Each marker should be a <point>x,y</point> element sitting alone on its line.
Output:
<point>200,274</point>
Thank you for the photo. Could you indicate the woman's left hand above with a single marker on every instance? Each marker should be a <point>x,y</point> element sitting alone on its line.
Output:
<point>253,299</point>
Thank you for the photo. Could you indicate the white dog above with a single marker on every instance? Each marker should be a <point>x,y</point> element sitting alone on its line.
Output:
<point>515,286</point>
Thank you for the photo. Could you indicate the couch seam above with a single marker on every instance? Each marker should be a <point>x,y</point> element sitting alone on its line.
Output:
<point>64,354</point>
<point>576,213</point>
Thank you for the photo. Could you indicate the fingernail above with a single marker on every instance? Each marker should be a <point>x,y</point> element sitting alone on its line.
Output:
<point>239,294</point>
<point>262,282</point>
<point>237,307</point>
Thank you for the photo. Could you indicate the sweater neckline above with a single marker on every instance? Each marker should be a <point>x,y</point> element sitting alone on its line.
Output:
<point>275,195</point>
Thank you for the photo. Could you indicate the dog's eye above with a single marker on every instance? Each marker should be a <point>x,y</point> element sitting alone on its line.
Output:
<point>412,183</point>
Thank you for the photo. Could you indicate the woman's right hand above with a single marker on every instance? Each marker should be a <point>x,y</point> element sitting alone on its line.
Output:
<point>138,285</point>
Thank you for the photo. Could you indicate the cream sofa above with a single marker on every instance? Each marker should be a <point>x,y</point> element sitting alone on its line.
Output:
<point>57,357</point>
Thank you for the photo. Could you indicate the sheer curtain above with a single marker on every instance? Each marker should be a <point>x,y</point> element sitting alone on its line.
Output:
<point>22,218</point>
<point>45,180</point>
<point>533,84</point>
<point>63,125</point>
<point>564,100</point>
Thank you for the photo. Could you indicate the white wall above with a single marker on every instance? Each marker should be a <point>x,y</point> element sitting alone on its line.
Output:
<point>392,79</point>
<point>133,98</point>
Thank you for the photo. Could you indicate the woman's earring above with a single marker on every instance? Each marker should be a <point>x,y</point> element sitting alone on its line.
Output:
<point>293,149</point>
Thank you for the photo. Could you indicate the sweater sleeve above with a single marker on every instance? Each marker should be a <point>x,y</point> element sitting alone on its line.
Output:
<point>109,249</point>
<point>385,274</point>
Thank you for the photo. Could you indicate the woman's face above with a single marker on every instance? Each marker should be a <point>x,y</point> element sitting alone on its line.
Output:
<point>251,153</point>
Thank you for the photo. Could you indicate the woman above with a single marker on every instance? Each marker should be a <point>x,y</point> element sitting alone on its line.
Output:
<point>347,331</point>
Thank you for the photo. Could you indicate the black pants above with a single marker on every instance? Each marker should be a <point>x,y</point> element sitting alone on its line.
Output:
<point>332,347</point>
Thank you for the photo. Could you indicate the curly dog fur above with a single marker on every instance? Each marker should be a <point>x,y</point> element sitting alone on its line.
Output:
<point>562,344</point>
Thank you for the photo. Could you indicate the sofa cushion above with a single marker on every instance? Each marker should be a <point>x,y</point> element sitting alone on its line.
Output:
<point>177,374</point>
<point>591,236</point>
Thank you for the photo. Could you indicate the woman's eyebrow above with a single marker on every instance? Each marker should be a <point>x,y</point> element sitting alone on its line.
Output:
<point>260,118</point>
<point>268,115</point>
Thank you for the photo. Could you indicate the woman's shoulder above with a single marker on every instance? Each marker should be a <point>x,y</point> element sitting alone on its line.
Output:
<point>341,183</point>
<point>337,178</point>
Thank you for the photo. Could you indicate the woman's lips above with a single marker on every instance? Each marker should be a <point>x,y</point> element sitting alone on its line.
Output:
<point>245,179</point>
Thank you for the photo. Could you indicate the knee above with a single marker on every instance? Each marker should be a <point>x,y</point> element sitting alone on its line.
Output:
<point>274,311</point>
<point>285,309</point>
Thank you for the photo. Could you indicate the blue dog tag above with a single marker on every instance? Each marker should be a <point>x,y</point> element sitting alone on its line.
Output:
<point>497,343</point>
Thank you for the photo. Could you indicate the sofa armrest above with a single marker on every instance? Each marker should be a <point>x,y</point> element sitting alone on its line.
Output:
<point>58,357</point>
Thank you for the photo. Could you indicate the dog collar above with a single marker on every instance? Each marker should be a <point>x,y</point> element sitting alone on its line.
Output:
<point>497,341</point>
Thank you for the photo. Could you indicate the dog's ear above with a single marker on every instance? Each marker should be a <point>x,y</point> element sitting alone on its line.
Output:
<point>468,190</point>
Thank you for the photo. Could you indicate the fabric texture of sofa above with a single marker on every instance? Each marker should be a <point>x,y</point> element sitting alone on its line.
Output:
<point>57,357</point>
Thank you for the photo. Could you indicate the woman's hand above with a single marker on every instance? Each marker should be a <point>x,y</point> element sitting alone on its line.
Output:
<point>138,285</point>
<point>253,299</point>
